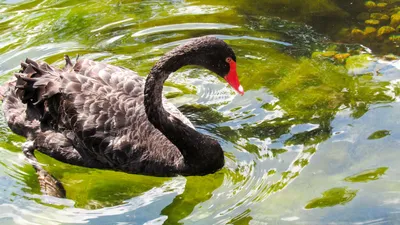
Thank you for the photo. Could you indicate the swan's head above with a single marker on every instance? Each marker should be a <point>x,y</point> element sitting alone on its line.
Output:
<point>215,55</point>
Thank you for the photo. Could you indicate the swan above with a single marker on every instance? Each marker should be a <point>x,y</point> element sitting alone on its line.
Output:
<point>97,115</point>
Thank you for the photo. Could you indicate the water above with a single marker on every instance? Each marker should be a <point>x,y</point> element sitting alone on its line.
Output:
<point>314,140</point>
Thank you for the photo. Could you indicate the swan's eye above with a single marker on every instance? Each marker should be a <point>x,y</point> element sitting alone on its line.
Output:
<point>228,60</point>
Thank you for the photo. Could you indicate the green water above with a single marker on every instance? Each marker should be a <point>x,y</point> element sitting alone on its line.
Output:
<point>314,140</point>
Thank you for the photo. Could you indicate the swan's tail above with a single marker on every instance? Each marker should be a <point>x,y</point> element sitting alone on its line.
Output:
<point>23,97</point>
<point>37,81</point>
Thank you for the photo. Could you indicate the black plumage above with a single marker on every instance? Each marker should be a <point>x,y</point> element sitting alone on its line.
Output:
<point>98,115</point>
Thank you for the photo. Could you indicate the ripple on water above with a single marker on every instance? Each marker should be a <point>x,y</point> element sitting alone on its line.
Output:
<point>10,60</point>
<point>183,27</point>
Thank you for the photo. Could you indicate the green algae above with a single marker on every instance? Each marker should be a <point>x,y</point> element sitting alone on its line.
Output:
<point>197,189</point>
<point>242,219</point>
<point>301,162</point>
<point>385,30</point>
<point>395,38</point>
<point>93,188</point>
<point>310,137</point>
<point>379,134</point>
<point>370,4</point>
<point>358,61</point>
<point>372,22</point>
<point>304,9</point>
<point>369,31</point>
<point>276,152</point>
<point>252,149</point>
<point>317,88</point>
<point>333,197</point>
<point>382,4</point>
<point>379,16</point>
<point>271,172</point>
<point>367,175</point>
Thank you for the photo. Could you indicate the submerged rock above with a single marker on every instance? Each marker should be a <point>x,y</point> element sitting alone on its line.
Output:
<point>357,34</point>
<point>381,5</point>
<point>331,55</point>
<point>385,30</point>
<point>390,57</point>
<point>328,53</point>
<point>363,16</point>
<point>372,22</point>
<point>370,4</point>
<point>370,31</point>
<point>379,16</point>
<point>395,38</point>
<point>395,20</point>
<point>341,57</point>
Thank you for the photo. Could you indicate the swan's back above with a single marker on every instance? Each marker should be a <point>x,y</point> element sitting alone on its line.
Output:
<point>122,78</point>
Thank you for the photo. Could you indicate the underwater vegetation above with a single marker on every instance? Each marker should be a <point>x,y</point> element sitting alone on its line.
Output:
<point>314,140</point>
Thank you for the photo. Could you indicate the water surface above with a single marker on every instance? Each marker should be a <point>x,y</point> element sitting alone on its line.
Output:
<point>314,140</point>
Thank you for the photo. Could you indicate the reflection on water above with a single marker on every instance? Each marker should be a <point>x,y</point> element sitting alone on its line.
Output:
<point>314,140</point>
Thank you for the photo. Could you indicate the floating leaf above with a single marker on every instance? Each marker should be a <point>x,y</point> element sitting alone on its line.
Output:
<point>367,175</point>
<point>332,197</point>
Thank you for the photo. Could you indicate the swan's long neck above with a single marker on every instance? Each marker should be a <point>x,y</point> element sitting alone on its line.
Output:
<point>201,153</point>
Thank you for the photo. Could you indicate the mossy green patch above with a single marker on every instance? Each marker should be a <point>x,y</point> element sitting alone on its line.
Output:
<point>275,152</point>
<point>385,30</point>
<point>271,172</point>
<point>94,188</point>
<point>358,61</point>
<point>310,150</point>
<point>379,134</point>
<point>242,219</point>
<point>367,175</point>
<point>372,22</point>
<point>301,162</point>
<point>333,197</point>
<point>198,189</point>
<point>370,4</point>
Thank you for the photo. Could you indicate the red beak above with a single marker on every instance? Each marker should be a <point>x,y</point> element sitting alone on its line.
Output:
<point>232,78</point>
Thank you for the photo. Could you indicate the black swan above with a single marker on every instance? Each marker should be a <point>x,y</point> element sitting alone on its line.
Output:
<point>97,115</point>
